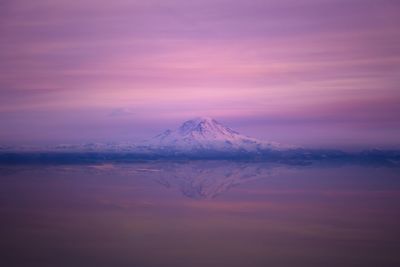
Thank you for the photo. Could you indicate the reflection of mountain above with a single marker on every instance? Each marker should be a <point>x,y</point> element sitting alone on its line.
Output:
<point>207,179</point>
<point>198,179</point>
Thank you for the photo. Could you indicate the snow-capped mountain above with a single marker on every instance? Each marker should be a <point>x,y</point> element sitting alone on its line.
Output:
<point>205,133</point>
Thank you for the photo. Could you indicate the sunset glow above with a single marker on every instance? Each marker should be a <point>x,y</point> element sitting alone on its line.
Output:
<point>315,73</point>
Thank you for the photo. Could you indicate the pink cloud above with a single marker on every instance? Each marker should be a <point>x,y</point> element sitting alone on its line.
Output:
<point>314,61</point>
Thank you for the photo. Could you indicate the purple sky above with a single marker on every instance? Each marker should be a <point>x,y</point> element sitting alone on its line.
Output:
<point>311,72</point>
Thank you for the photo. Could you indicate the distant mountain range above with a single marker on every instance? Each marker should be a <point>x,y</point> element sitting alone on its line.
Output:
<point>199,138</point>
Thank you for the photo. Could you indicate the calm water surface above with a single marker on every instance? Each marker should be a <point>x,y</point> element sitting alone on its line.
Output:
<point>200,213</point>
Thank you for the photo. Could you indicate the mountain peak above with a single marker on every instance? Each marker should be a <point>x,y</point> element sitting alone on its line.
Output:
<point>205,126</point>
<point>199,121</point>
<point>203,119</point>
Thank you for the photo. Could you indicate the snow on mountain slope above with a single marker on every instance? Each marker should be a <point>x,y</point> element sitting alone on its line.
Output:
<point>205,133</point>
